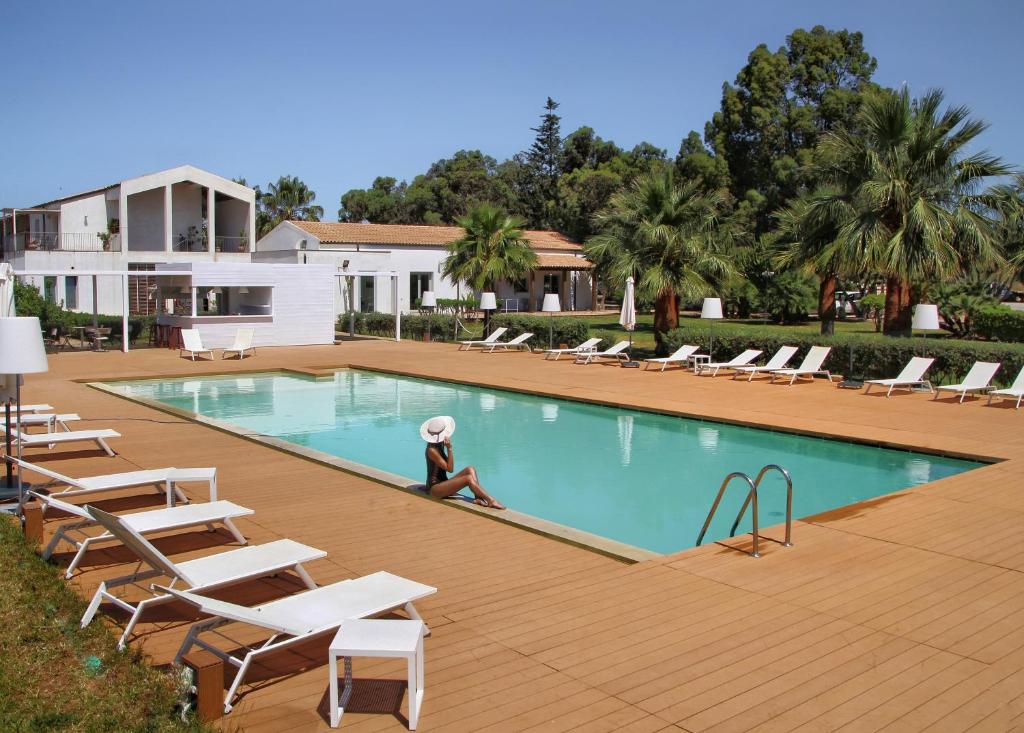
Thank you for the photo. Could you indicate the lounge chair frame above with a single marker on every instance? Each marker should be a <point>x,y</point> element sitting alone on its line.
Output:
<point>588,345</point>
<point>911,376</point>
<point>495,335</point>
<point>978,380</point>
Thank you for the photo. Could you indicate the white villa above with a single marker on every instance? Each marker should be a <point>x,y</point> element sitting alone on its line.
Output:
<point>164,217</point>
<point>415,254</point>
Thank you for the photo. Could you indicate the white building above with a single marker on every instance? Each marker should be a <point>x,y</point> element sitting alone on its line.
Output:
<point>417,254</point>
<point>178,215</point>
<point>285,305</point>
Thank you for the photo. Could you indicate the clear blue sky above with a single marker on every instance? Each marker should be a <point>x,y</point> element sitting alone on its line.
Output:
<point>339,92</point>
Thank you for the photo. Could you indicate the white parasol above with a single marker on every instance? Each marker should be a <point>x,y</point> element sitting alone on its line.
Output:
<point>627,316</point>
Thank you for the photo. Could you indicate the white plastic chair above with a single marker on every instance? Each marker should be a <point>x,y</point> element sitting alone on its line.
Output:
<point>618,352</point>
<point>588,345</point>
<point>809,367</point>
<point>495,335</point>
<point>99,437</point>
<point>743,359</point>
<point>298,618</point>
<point>518,343</point>
<point>243,343</point>
<point>977,380</point>
<point>1014,390</point>
<point>680,355</point>
<point>191,343</point>
<point>911,376</point>
<point>203,574</point>
<point>778,361</point>
<point>147,522</point>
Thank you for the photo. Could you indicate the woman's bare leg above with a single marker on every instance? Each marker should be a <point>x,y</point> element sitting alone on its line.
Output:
<point>465,478</point>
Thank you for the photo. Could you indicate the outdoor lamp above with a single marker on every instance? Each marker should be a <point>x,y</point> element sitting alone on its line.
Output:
<point>488,303</point>
<point>926,318</point>
<point>21,352</point>
<point>551,305</point>
<point>428,300</point>
<point>712,311</point>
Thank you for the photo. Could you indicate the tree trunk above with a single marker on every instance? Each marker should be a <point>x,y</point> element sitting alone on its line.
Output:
<point>897,318</point>
<point>827,304</point>
<point>666,317</point>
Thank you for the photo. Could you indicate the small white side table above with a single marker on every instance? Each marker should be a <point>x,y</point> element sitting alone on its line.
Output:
<point>377,638</point>
<point>697,359</point>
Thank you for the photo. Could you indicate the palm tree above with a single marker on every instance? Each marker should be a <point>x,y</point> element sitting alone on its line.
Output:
<point>492,248</point>
<point>288,200</point>
<point>806,236</point>
<point>913,194</point>
<point>666,235</point>
<point>1006,201</point>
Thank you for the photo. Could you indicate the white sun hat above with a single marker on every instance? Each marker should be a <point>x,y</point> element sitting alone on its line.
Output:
<point>437,429</point>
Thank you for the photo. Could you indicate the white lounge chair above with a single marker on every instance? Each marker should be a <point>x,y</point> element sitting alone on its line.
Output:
<point>518,343</point>
<point>34,408</point>
<point>810,366</point>
<point>243,343</point>
<point>147,522</point>
<point>588,345</point>
<point>680,355</point>
<point>165,480</point>
<point>200,575</point>
<point>50,420</point>
<point>495,335</point>
<point>743,359</point>
<point>99,437</point>
<point>778,361</point>
<point>618,352</point>
<point>1014,390</point>
<point>191,343</point>
<point>298,618</point>
<point>978,379</point>
<point>911,376</point>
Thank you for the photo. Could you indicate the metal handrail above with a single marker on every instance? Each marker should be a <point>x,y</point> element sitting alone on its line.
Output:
<point>751,497</point>
<point>789,501</point>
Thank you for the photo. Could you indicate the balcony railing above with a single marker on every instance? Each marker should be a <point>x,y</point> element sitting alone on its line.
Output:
<point>60,242</point>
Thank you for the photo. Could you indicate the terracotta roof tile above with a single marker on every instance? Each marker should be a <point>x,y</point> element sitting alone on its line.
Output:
<point>332,232</point>
<point>563,262</point>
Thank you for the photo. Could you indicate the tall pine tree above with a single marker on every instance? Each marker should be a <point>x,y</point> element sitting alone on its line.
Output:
<point>541,168</point>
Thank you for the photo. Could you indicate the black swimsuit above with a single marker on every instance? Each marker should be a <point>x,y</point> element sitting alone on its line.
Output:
<point>435,474</point>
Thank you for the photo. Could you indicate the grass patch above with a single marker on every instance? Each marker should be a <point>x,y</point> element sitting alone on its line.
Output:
<point>55,675</point>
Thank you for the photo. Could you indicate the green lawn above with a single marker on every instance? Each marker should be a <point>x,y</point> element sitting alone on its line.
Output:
<point>55,675</point>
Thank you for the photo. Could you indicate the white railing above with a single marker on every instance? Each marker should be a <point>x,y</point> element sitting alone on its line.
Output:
<point>56,242</point>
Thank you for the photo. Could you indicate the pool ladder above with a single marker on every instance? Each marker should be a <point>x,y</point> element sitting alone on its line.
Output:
<point>751,500</point>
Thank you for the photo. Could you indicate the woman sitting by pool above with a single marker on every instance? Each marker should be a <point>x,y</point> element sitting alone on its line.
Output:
<point>437,432</point>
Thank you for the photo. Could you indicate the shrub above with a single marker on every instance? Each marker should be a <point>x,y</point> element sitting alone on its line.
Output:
<point>740,298</point>
<point>873,306</point>
<point>789,297</point>
<point>874,357</point>
<point>442,327</point>
<point>999,324</point>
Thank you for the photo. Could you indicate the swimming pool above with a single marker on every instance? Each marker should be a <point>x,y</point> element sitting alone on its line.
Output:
<point>639,478</point>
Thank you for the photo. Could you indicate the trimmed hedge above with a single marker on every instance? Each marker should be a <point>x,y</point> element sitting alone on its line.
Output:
<point>565,330</point>
<point>442,327</point>
<point>999,324</point>
<point>874,356</point>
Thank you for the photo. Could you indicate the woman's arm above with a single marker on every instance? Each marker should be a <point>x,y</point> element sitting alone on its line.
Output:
<point>435,456</point>
<point>451,455</point>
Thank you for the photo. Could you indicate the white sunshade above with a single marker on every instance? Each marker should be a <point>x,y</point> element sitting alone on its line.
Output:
<point>627,316</point>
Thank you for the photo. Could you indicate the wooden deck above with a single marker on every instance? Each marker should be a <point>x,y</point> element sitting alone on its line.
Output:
<point>904,613</point>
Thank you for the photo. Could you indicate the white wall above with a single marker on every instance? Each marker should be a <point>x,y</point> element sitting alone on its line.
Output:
<point>146,221</point>
<point>73,215</point>
<point>186,211</point>
<point>232,218</point>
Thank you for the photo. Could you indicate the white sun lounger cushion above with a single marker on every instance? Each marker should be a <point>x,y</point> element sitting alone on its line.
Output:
<point>318,609</point>
<point>69,437</point>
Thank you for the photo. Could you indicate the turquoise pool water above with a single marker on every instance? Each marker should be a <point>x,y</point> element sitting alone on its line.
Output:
<point>639,478</point>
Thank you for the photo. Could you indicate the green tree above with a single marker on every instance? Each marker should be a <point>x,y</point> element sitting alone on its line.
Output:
<point>382,203</point>
<point>669,237</point>
<point>493,248</point>
<point>541,166</point>
<point>780,104</point>
<point>1006,202</point>
<point>289,200</point>
<point>911,191</point>
<point>694,160</point>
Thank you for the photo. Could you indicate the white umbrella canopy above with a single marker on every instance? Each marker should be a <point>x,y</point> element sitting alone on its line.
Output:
<point>6,290</point>
<point>627,316</point>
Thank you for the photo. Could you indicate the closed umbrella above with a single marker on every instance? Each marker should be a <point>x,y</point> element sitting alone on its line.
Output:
<point>6,290</point>
<point>627,317</point>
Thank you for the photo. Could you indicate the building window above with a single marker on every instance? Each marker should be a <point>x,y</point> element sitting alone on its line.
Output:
<point>552,281</point>
<point>418,283</point>
<point>71,292</point>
